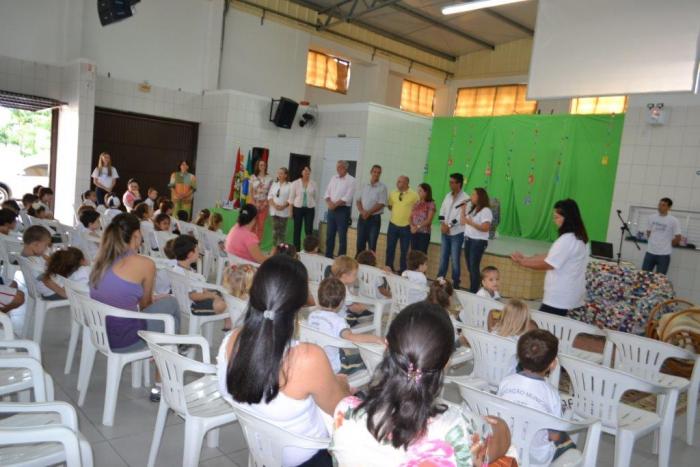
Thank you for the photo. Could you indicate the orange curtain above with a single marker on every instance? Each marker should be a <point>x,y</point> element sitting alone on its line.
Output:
<point>417,98</point>
<point>493,100</point>
<point>327,72</point>
<point>599,105</point>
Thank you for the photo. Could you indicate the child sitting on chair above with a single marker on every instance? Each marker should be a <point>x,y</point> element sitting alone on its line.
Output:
<point>203,217</point>
<point>331,296</point>
<point>537,354</point>
<point>69,263</point>
<point>214,223</point>
<point>151,197</point>
<point>89,198</point>
<point>490,283</point>
<point>161,223</point>
<point>204,302</point>
<point>36,241</point>
<point>285,249</point>
<point>441,293</point>
<point>345,269</point>
<point>112,202</point>
<point>89,227</point>
<point>369,258</point>
<point>417,263</point>
<point>311,244</point>
<point>238,278</point>
<point>513,321</point>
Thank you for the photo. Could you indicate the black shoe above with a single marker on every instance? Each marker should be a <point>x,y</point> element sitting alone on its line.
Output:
<point>155,394</point>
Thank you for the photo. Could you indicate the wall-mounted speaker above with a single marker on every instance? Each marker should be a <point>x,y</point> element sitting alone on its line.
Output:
<point>111,11</point>
<point>283,111</point>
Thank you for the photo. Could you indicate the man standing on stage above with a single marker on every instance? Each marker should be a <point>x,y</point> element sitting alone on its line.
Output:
<point>339,194</point>
<point>370,204</point>
<point>451,228</point>
<point>663,232</point>
<point>401,202</point>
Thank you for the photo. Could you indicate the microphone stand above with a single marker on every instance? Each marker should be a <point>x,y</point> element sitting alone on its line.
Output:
<point>624,227</point>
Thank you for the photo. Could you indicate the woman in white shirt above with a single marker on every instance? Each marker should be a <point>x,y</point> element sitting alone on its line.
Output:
<point>476,218</point>
<point>565,263</point>
<point>104,177</point>
<point>261,369</point>
<point>260,183</point>
<point>278,199</point>
<point>302,197</point>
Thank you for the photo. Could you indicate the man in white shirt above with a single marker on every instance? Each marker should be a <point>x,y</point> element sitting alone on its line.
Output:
<point>338,197</point>
<point>663,232</point>
<point>451,228</point>
<point>370,203</point>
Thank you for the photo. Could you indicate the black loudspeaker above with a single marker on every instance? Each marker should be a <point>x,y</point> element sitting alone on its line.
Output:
<point>111,11</point>
<point>285,112</point>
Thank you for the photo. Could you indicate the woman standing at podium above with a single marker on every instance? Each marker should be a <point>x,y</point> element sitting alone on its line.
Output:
<point>565,263</point>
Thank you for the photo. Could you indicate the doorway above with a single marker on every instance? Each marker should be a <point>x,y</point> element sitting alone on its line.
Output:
<point>297,162</point>
<point>144,147</point>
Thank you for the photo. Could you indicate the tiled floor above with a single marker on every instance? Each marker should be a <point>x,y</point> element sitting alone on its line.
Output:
<point>128,441</point>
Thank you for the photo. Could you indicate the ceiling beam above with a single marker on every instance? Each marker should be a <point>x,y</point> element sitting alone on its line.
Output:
<point>439,24</point>
<point>382,32</point>
<point>494,14</point>
<point>351,17</point>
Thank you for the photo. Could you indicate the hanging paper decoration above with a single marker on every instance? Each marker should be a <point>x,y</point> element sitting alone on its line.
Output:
<point>451,155</point>
<point>488,170</point>
<point>533,158</point>
<point>527,200</point>
<point>604,161</point>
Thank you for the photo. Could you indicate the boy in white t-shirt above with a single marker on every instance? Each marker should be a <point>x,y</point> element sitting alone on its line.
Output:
<point>490,283</point>
<point>537,355</point>
<point>204,302</point>
<point>331,297</point>
<point>417,263</point>
<point>37,240</point>
<point>663,232</point>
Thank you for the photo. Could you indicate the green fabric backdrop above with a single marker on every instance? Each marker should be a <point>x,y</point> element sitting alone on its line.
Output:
<point>529,162</point>
<point>231,216</point>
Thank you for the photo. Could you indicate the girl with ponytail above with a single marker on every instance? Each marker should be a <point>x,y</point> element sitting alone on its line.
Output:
<point>401,422</point>
<point>263,370</point>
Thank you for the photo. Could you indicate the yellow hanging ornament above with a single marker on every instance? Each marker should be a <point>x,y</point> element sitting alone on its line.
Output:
<point>604,161</point>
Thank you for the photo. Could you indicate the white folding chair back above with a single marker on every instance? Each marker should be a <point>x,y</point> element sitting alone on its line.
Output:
<point>40,305</point>
<point>236,308</point>
<point>368,277</point>
<point>566,330</point>
<point>25,218</point>
<point>95,315</point>
<point>187,228</point>
<point>494,358</point>
<point>10,250</point>
<point>597,392</point>
<point>372,356</point>
<point>21,370</point>
<point>77,323</point>
<point>314,336</point>
<point>315,265</point>
<point>266,441</point>
<point>644,357</point>
<point>161,238</point>
<point>524,423</point>
<point>401,292</point>
<point>475,309</point>
<point>40,434</point>
<point>198,402</point>
<point>7,332</point>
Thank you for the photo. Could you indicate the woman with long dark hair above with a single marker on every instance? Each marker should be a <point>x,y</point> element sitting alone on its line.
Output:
<point>261,367</point>
<point>476,218</point>
<point>565,263</point>
<point>402,422</point>
<point>422,218</point>
<point>241,239</point>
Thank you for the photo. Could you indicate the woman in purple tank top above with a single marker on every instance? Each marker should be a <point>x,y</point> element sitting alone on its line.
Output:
<point>124,279</point>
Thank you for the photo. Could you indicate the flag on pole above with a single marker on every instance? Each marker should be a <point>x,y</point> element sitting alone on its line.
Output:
<point>233,194</point>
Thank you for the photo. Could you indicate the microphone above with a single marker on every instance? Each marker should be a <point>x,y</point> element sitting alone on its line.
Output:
<point>460,205</point>
<point>619,211</point>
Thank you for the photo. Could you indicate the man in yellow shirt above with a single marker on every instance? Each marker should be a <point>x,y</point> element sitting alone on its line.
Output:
<point>400,203</point>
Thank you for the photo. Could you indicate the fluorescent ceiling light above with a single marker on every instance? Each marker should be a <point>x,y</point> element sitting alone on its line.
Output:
<point>476,5</point>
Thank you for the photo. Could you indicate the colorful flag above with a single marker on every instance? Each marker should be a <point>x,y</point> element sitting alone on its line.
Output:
<point>235,186</point>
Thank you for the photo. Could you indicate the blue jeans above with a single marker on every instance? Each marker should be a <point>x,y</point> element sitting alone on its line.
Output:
<point>338,222</point>
<point>420,242</point>
<point>660,261</point>
<point>473,251</point>
<point>368,232</point>
<point>394,234</point>
<point>450,247</point>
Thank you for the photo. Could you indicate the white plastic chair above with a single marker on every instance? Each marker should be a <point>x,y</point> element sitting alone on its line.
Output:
<point>188,228</point>
<point>313,336</point>
<point>181,286</point>
<point>524,423</point>
<point>597,391</point>
<point>371,355</point>
<point>475,309</point>
<point>10,249</point>
<point>400,295</point>
<point>21,371</point>
<point>315,265</point>
<point>25,218</point>
<point>39,306</point>
<point>644,357</point>
<point>213,255</point>
<point>566,330</point>
<point>160,238</point>
<point>368,277</point>
<point>222,262</point>
<point>236,308</point>
<point>95,315</point>
<point>494,358</point>
<point>42,434</point>
<point>198,403</point>
<point>266,441</point>
<point>77,324</point>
